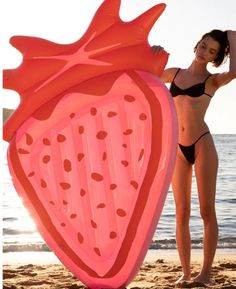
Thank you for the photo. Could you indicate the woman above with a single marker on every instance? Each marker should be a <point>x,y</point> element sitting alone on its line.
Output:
<point>192,89</point>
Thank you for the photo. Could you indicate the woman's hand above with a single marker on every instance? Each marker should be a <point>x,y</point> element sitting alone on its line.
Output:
<point>231,36</point>
<point>232,50</point>
<point>156,49</point>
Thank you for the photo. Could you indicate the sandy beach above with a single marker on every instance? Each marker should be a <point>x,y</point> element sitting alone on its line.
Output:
<point>158,271</point>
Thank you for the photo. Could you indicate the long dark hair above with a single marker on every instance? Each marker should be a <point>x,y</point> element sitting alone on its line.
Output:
<point>221,37</point>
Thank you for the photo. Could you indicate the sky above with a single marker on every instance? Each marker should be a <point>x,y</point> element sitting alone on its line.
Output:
<point>177,30</point>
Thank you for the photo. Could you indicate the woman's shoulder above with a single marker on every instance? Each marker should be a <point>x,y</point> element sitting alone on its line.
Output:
<point>169,73</point>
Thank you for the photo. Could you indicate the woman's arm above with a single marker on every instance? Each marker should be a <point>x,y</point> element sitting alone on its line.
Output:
<point>224,78</point>
<point>167,74</point>
<point>232,46</point>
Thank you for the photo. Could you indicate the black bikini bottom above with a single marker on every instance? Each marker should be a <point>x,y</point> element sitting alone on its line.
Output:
<point>189,151</point>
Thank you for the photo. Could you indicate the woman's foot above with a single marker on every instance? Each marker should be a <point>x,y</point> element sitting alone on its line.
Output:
<point>203,278</point>
<point>183,278</point>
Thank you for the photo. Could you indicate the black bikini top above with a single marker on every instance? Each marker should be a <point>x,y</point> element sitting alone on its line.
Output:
<point>195,90</point>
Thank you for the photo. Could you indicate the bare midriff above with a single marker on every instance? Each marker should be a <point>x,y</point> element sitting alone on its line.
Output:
<point>191,113</point>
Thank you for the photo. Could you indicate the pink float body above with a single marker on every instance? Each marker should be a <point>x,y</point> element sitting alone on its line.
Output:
<point>93,144</point>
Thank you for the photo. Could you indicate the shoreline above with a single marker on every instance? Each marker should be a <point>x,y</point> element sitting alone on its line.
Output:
<point>159,270</point>
<point>47,258</point>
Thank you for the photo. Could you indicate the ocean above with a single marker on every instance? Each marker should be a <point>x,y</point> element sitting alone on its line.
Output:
<point>20,233</point>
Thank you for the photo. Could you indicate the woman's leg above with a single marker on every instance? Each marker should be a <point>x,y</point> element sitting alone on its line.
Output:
<point>181,185</point>
<point>206,165</point>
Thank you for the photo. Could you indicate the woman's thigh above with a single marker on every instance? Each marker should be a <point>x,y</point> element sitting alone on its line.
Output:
<point>181,182</point>
<point>206,166</point>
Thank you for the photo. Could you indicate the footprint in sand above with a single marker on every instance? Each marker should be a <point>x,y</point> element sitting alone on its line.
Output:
<point>228,265</point>
<point>221,280</point>
<point>75,286</point>
<point>159,261</point>
<point>9,275</point>
<point>35,282</point>
<point>169,277</point>
<point>175,269</point>
<point>190,285</point>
